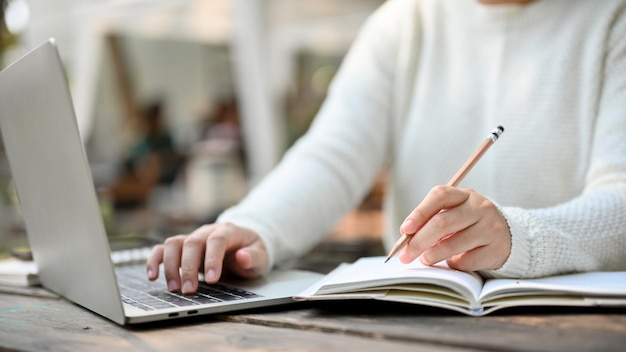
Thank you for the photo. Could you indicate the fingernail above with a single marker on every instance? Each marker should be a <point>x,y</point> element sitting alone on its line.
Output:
<point>172,285</point>
<point>408,227</point>
<point>187,287</point>
<point>150,273</point>
<point>210,275</point>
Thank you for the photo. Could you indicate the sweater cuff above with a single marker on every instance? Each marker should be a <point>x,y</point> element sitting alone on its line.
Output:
<point>518,263</point>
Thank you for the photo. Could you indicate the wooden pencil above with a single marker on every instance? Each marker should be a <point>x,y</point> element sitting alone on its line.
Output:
<point>454,181</point>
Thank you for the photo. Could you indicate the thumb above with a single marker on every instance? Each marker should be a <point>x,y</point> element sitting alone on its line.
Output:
<point>250,261</point>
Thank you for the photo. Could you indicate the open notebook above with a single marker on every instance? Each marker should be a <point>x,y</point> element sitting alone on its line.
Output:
<point>469,293</point>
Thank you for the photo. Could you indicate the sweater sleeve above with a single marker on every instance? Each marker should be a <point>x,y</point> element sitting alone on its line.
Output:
<point>587,233</point>
<point>328,171</point>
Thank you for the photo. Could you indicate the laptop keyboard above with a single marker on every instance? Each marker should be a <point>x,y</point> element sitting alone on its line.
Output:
<point>139,292</point>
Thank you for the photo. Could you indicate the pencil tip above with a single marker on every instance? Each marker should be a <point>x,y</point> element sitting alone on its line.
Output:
<point>386,260</point>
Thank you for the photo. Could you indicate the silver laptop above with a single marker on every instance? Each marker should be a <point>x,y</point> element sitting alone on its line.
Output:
<point>63,220</point>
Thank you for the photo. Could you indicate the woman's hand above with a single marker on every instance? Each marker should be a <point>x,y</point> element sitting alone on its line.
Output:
<point>459,226</point>
<point>212,248</point>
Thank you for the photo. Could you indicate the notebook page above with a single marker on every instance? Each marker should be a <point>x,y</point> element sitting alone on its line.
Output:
<point>373,272</point>
<point>584,284</point>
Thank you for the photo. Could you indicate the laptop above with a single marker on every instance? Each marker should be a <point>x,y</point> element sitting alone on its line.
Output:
<point>63,219</point>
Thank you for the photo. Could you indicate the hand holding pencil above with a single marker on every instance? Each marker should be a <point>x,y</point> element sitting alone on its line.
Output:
<point>457,225</point>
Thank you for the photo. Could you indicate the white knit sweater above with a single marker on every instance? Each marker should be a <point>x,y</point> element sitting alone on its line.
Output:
<point>423,85</point>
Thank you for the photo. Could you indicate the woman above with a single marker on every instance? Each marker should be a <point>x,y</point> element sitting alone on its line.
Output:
<point>423,84</point>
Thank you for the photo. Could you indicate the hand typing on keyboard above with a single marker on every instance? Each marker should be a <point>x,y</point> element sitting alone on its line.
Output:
<point>221,247</point>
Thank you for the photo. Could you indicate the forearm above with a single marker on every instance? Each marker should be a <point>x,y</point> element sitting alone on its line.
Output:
<point>299,202</point>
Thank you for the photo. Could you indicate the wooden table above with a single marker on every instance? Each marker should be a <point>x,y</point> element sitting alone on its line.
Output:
<point>44,322</point>
<point>35,320</point>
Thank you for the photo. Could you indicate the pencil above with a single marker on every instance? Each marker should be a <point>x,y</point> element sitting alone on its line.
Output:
<point>456,179</point>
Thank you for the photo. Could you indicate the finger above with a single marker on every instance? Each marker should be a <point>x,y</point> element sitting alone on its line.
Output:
<point>473,260</point>
<point>215,250</point>
<point>171,261</point>
<point>154,260</point>
<point>193,250</point>
<point>438,198</point>
<point>250,261</point>
<point>440,226</point>
<point>452,245</point>
<point>225,242</point>
<point>488,257</point>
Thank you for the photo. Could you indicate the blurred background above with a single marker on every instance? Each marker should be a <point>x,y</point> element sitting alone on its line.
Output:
<point>185,105</point>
